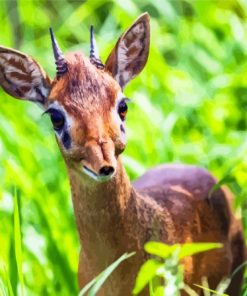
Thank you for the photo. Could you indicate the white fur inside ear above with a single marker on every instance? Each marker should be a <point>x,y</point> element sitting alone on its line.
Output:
<point>22,77</point>
<point>129,53</point>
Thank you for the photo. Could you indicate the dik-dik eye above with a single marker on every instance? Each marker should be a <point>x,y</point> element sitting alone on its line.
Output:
<point>122,109</point>
<point>57,119</point>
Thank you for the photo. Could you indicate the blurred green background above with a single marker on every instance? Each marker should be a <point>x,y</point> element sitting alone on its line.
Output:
<point>189,105</point>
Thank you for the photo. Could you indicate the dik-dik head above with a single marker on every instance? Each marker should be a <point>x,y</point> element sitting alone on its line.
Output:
<point>85,101</point>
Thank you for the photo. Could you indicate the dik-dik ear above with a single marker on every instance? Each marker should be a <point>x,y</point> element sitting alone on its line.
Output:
<point>22,77</point>
<point>130,54</point>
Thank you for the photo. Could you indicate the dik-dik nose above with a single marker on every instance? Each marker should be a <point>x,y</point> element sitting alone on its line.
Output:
<point>106,171</point>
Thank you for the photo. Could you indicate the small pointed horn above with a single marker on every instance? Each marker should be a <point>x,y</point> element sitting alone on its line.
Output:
<point>94,54</point>
<point>58,55</point>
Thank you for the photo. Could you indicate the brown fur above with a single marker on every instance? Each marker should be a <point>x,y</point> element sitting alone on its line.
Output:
<point>83,87</point>
<point>170,203</point>
<point>114,217</point>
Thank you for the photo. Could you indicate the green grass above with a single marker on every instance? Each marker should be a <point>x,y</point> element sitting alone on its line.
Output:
<point>97,282</point>
<point>189,105</point>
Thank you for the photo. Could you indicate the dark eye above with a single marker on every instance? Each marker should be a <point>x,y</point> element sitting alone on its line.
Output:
<point>122,109</point>
<point>57,119</point>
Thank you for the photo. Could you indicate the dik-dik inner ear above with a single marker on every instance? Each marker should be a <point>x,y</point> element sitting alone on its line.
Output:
<point>22,77</point>
<point>130,54</point>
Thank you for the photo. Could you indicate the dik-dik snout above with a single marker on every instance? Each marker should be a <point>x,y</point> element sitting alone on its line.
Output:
<point>99,160</point>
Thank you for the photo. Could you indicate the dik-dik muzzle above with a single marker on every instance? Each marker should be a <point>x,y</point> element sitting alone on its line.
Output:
<point>100,160</point>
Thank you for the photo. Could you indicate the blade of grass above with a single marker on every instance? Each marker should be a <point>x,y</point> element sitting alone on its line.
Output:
<point>238,269</point>
<point>5,284</point>
<point>101,278</point>
<point>210,290</point>
<point>3,288</point>
<point>107,272</point>
<point>55,254</point>
<point>206,286</point>
<point>223,285</point>
<point>18,247</point>
<point>87,287</point>
<point>189,291</point>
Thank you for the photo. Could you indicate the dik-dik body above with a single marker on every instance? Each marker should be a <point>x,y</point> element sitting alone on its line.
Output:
<point>170,203</point>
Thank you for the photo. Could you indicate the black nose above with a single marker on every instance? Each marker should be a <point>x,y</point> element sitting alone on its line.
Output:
<point>106,171</point>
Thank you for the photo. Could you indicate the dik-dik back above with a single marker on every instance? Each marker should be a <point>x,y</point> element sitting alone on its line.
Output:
<point>195,215</point>
<point>170,203</point>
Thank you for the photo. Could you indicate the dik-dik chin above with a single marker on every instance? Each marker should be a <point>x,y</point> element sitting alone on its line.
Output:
<point>170,203</point>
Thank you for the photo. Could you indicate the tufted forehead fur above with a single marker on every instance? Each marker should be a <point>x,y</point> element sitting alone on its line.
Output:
<point>84,87</point>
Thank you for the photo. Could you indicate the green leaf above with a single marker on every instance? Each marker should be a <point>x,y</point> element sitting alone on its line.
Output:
<point>160,249</point>
<point>189,249</point>
<point>101,278</point>
<point>145,275</point>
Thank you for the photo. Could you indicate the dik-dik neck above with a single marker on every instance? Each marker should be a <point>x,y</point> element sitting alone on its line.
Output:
<point>100,207</point>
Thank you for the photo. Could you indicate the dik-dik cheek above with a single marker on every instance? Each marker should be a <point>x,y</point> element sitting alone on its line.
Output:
<point>120,144</point>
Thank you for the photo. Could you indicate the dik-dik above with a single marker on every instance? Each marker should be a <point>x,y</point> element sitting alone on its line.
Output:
<point>170,203</point>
